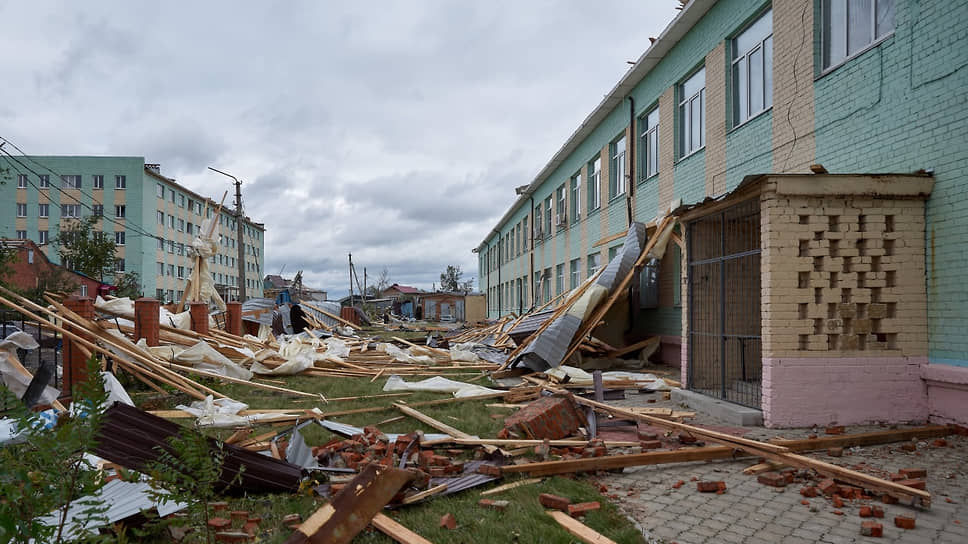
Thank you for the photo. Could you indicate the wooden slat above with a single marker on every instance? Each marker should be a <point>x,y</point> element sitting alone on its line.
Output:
<point>579,530</point>
<point>548,468</point>
<point>863,439</point>
<point>397,532</point>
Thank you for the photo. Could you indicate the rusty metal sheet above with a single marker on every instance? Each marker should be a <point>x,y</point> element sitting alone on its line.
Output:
<point>339,521</point>
<point>131,438</point>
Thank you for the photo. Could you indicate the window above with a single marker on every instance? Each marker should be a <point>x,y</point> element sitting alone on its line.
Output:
<point>692,113</point>
<point>561,219</point>
<point>119,238</point>
<point>849,27</point>
<point>524,234</point>
<point>43,210</point>
<point>171,246</point>
<point>70,210</point>
<point>21,210</point>
<point>98,181</point>
<point>616,169</point>
<point>171,270</point>
<point>181,201</point>
<point>575,197</point>
<point>171,295</point>
<point>161,244</point>
<point>190,229</point>
<point>181,225</point>
<point>549,204</point>
<point>43,237</point>
<point>160,191</point>
<point>753,70</point>
<point>120,210</point>
<point>119,265</point>
<point>160,215</point>
<point>594,261</point>
<point>538,235</point>
<point>559,279</point>
<point>172,195</point>
<point>594,184</point>
<point>613,251</point>
<point>72,181</point>
<point>120,182</point>
<point>21,235</point>
<point>21,181</point>
<point>44,181</point>
<point>181,249</point>
<point>171,221</point>
<point>649,146</point>
<point>161,269</point>
<point>97,210</point>
<point>181,271</point>
<point>574,273</point>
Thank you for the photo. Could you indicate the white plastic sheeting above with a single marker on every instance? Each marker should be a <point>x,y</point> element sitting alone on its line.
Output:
<point>402,356</point>
<point>222,412</point>
<point>437,384</point>
<point>205,245</point>
<point>651,382</point>
<point>10,373</point>
<point>125,306</point>
<point>201,356</point>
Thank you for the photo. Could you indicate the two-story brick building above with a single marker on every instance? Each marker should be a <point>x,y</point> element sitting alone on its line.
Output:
<point>815,297</point>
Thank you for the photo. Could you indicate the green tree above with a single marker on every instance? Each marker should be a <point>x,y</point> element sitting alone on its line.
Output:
<point>450,280</point>
<point>83,247</point>
<point>7,256</point>
<point>128,284</point>
<point>46,472</point>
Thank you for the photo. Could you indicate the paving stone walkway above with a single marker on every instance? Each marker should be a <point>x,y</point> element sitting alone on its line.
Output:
<point>750,512</point>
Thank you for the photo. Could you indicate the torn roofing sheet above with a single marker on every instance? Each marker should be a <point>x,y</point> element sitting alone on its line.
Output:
<point>123,500</point>
<point>132,438</point>
<point>549,348</point>
<point>349,430</point>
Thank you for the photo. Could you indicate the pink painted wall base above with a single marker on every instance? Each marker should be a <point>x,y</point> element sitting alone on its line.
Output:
<point>800,392</point>
<point>947,387</point>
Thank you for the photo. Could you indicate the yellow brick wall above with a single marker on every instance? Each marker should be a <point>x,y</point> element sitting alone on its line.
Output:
<point>793,115</point>
<point>716,120</point>
<point>667,148</point>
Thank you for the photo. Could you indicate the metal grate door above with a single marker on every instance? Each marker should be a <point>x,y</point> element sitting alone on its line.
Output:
<point>724,304</point>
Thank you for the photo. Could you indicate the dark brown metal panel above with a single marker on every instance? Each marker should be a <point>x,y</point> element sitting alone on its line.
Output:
<point>724,324</point>
<point>132,438</point>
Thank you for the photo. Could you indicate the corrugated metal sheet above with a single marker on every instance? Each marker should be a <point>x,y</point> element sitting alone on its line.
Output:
<point>529,324</point>
<point>132,438</point>
<point>123,499</point>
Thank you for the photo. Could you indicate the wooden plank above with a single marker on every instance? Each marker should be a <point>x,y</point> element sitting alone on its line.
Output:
<point>511,442</point>
<point>760,468</point>
<point>331,316</point>
<point>578,529</point>
<point>394,530</point>
<point>436,424</point>
<point>634,347</point>
<point>548,468</point>
<point>424,494</point>
<point>608,239</point>
<point>863,439</point>
<point>512,485</point>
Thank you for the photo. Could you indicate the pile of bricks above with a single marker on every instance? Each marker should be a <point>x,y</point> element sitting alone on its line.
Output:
<point>240,526</point>
<point>575,510</point>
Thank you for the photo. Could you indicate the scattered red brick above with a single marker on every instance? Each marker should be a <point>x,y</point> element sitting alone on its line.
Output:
<point>650,444</point>
<point>496,505</point>
<point>910,446</point>
<point>865,512</point>
<point>489,470</point>
<point>582,508</point>
<point>914,473</point>
<point>805,502</point>
<point>553,501</point>
<point>547,417</point>
<point>895,476</point>
<point>904,522</point>
<point>687,438</point>
<point>250,528</point>
<point>219,523</point>
<point>871,528</point>
<point>647,437</point>
<point>681,483</point>
<point>838,512</point>
<point>711,487</point>
<point>837,501</point>
<point>877,511</point>
<point>292,518</point>
<point>888,499</point>
<point>239,515</point>
<point>774,479</point>
<point>448,521</point>
<point>693,479</point>
<point>940,443</point>
<point>838,429</point>
<point>828,487</point>
<point>912,483</point>
<point>835,451</point>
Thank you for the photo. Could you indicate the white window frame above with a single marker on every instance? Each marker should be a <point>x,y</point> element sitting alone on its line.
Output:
<point>97,210</point>
<point>21,181</point>
<point>44,181</point>
<point>559,279</point>
<point>119,237</point>
<point>549,205</point>
<point>71,181</point>
<point>21,235</point>
<point>43,210</point>
<point>22,209</point>
<point>752,47</point>
<point>616,170</point>
<point>649,138</point>
<point>120,182</point>
<point>71,210</point>
<point>120,210</point>
<point>593,262</point>
<point>594,184</point>
<point>160,217</point>
<point>561,206</point>
<point>878,32</point>
<point>575,190</point>
<point>98,181</point>
<point>119,265</point>
<point>160,191</point>
<point>575,273</point>
<point>43,237</point>
<point>690,106</point>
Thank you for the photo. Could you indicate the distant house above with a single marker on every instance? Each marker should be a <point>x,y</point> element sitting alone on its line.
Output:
<point>31,269</point>
<point>453,306</point>
<point>396,291</point>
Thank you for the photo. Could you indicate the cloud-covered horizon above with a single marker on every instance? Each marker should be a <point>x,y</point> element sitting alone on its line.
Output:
<point>396,132</point>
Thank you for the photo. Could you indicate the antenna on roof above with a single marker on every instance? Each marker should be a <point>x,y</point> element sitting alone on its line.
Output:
<point>281,269</point>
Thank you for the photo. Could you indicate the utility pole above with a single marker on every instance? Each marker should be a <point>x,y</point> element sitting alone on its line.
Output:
<point>351,279</point>
<point>240,241</point>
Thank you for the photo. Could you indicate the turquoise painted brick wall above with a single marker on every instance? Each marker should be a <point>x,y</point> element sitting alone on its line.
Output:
<point>748,149</point>
<point>901,107</point>
<point>690,179</point>
<point>647,199</point>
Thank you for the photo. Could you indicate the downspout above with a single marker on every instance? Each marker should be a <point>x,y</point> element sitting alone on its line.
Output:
<point>500,289</point>
<point>630,186</point>
<point>531,254</point>
<point>487,298</point>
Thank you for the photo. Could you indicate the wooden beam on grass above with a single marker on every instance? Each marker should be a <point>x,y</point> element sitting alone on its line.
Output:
<point>863,439</point>
<point>634,347</point>
<point>509,486</point>
<point>397,532</point>
<point>578,529</point>
<point>608,462</point>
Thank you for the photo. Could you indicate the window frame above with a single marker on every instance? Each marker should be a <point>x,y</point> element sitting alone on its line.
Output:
<point>97,181</point>
<point>43,210</point>
<point>744,59</point>
<point>617,182</point>
<point>97,210</point>
<point>43,237</point>
<point>848,56</point>
<point>595,258</point>
<point>119,237</point>
<point>21,209</point>
<point>74,209</point>
<point>685,104</point>
<point>575,193</point>
<point>120,211</point>
<point>21,181</point>
<point>574,273</point>
<point>649,134</point>
<point>120,182</point>
<point>561,206</point>
<point>44,181</point>
<point>594,183</point>
<point>21,235</point>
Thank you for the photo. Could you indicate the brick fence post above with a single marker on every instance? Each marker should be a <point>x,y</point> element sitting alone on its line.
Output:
<point>146,320</point>
<point>233,323</point>
<point>199,315</point>
<point>74,360</point>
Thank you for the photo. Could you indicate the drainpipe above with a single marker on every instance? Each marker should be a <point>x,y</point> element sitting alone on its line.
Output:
<point>630,186</point>
<point>500,257</point>
<point>487,298</point>
<point>531,254</point>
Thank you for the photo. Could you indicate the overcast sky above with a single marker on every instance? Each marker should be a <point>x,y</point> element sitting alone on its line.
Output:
<point>393,130</point>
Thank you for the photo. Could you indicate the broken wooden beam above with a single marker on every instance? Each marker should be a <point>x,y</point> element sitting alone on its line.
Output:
<point>396,531</point>
<point>863,439</point>
<point>578,529</point>
<point>608,462</point>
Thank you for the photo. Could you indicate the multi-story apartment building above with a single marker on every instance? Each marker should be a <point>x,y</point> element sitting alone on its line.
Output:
<point>734,89</point>
<point>151,218</point>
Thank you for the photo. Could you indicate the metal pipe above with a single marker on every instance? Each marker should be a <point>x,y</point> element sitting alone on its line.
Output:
<point>630,185</point>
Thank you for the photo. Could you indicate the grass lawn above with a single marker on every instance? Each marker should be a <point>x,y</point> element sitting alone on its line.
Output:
<point>524,521</point>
